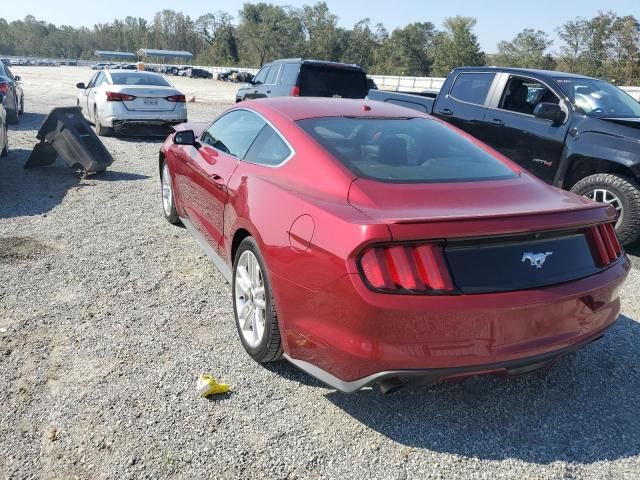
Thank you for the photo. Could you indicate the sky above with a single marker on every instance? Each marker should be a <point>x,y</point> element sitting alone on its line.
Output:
<point>497,20</point>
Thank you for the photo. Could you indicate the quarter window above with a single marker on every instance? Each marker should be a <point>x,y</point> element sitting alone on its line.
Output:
<point>268,149</point>
<point>289,74</point>
<point>234,132</point>
<point>472,87</point>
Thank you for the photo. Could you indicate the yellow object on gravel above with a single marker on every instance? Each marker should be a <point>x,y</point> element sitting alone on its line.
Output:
<point>207,385</point>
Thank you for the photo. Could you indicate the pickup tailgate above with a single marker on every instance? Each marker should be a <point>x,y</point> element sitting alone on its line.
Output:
<point>417,102</point>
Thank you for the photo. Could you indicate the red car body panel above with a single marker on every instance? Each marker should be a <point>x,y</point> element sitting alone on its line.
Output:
<point>312,217</point>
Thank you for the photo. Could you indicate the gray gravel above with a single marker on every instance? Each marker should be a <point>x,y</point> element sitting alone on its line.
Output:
<point>108,315</point>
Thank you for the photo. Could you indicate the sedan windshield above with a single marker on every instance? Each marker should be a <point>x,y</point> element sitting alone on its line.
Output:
<point>598,98</point>
<point>134,78</point>
<point>404,150</point>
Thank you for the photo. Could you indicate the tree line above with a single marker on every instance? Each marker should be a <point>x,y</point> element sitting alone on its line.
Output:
<point>606,45</point>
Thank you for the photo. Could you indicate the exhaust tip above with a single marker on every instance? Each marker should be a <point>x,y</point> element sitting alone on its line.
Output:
<point>391,385</point>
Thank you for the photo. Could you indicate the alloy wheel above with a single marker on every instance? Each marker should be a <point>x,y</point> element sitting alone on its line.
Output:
<point>167,191</point>
<point>603,195</point>
<point>251,300</point>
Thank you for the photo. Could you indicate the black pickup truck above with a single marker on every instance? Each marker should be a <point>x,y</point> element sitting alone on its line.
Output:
<point>574,132</point>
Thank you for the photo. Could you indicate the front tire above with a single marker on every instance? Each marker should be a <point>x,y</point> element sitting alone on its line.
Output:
<point>620,192</point>
<point>253,305</point>
<point>168,197</point>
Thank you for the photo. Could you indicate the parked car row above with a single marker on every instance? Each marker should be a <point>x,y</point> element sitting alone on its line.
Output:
<point>114,66</point>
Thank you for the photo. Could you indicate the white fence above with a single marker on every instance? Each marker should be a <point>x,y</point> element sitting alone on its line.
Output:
<point>419,84</point>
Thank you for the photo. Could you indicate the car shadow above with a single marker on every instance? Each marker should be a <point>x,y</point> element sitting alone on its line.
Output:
<point>38,190</point>
<point>29,121</point>
<point>583,409</point>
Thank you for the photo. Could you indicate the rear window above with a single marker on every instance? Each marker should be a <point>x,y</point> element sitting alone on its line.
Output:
<point>399,150</point>
<point>132,78</point>
<point>321,81</point>
<point>289,74</point>
<point>472,87</point>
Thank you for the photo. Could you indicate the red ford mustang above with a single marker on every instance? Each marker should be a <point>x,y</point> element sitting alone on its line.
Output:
<point>365,242</point>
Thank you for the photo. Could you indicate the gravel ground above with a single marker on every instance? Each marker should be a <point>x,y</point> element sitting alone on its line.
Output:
<point>108,315</point>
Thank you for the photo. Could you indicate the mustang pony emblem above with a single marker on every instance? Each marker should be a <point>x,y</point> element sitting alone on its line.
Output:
<point>536,259</point>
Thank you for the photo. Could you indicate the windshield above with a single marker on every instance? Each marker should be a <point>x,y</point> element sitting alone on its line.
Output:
<point>598,98</point>
<point>133,78</point>
<point>404,150</point>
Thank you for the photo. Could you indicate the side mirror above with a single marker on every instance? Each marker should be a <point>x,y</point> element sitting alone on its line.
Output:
<point>185,137</point>
<point>81,86</point>
<point>550,111</point>
<point>17,78</point>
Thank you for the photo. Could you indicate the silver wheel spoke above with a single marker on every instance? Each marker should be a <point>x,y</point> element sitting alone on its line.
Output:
<point>606,196</point>
<point>251,298</point>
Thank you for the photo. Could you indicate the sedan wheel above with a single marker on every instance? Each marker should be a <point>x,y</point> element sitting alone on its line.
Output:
<point>253,305</point>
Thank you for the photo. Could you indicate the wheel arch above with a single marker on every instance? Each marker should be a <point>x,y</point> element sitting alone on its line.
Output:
<point>583,166</point>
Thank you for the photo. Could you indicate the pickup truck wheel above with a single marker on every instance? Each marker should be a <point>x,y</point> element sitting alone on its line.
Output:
<point>253,304</point>
<point>168,198</point>
<point>620,192</point>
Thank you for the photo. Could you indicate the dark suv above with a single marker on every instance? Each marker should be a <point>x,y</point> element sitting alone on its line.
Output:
<point>306,78</point>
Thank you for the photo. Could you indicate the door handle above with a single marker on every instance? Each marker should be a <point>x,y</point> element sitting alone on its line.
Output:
<point>268,91</point>
<point>446,111</point>
<point>497,122</point>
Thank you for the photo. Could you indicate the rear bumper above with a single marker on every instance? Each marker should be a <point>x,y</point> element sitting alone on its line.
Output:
<point>348,336</point>
<point>511,368</point>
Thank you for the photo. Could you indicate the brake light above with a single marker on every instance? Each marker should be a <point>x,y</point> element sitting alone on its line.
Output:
<point>414,268</point>
<point>604,244</point>
<point>119,97</point>
<point>176,98</point>
<point>4,87</point>
<point>295,91</point>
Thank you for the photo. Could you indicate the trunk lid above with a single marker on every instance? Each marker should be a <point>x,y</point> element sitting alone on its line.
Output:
<point>149,98</point>
<point>496,235</point>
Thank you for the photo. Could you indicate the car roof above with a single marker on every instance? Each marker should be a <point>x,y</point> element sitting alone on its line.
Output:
<point>317,62</point>
<point>548,74</point>
<point>297,108</point>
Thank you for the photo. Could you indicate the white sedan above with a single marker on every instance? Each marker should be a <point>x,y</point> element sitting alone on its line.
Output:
<point>131,102</point>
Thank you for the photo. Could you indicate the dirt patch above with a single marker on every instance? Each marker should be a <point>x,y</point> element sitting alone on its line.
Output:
<point>18,249</point>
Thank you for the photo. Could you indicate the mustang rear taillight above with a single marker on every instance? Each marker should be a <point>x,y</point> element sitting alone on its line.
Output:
<point>414,268</point>
<point>119,97</point>
<point>176,98</point>
<point>604,244</point>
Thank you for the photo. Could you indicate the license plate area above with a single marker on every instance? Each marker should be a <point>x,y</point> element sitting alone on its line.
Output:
<point>151,101</point>
<point>520,263</point>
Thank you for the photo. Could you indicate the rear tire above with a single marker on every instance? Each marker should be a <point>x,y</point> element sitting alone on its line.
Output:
<point>253,304</point>
<point>100,130</point>
<point>623,193</point>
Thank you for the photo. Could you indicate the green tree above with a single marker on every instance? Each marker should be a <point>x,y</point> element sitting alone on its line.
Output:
<point>457,46</point>
<point>526,50</point>
<point>574,43</point>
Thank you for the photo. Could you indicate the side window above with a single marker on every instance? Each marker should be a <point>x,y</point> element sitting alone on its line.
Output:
<point>268,149</point>
<point>472,87</point>
<point>92,82</point>
<point>9,73</point>
<point>234,132</point>
<point>273,74</point>
<point>523,94</point>
<point>98,80</point>
<point>289,74</point>
<point>261,76</point>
